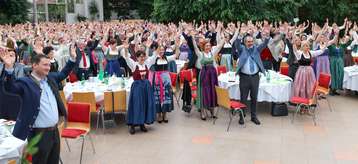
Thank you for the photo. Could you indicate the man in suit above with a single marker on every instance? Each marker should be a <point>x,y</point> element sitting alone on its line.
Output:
<point>86,66</point>
<point>248,67</point>
<point>41,104</point>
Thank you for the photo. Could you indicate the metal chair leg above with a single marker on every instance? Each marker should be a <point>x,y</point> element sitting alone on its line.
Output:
<point>90,138</point>
<point>98,113</point>
<point>216,114</point>
<point>243,117</point>
<point>314,116</point>
<point>230,114</point>
<point>102,117</point>
<point>68,145</point>
<point>61,160</point>
<point>294,114</point>
<point>83,142</point>
<point>329,105</point>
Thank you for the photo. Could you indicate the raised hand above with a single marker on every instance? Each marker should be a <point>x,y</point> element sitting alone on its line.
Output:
<point>7,59</point>
<point>73,51</point>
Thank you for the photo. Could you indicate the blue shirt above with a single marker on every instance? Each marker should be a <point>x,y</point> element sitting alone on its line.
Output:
<point>48,114</point>
<point>246,67</point>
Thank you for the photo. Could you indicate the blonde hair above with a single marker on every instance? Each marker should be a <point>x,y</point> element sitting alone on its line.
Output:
<point>305,42</point>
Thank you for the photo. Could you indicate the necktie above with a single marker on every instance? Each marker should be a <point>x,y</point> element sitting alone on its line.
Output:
<point>251,61</point>
<point>252,66</point>
<point>84,59</point>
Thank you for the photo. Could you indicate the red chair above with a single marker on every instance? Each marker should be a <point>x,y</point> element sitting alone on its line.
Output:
<point>221,69</point>
<point>323,87</point>
<point>284,70</point>
<point>309,103</point>
<point>72,77</point>
<point>173,79</point>
<point>356,60</point>
<point>225,102</point>
<point>78,124</point>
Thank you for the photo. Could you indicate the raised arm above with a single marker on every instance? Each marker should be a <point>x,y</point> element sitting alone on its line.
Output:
<point>63,74</point>
<point>176,51</point>
<point>265,34</point>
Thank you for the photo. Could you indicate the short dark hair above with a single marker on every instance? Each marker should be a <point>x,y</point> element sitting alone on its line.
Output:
<point>47,50</point>
<point>139,53</point>
<point>37,58</point>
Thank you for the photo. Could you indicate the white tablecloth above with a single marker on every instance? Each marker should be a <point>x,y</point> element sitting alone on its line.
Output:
<point>10,146</point>
<point>277,90</point>
<point>350,80</point>
<point>97,87</point>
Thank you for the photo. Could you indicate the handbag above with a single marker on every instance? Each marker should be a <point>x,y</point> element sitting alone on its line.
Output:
<point>279,109</point>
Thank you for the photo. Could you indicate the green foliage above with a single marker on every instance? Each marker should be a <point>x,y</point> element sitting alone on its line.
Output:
<point>81,18</point>
<point>93,9</point>
<point>233,10</point>
<point>31,148</point>
<point>14,11</point>
<point>144,7</point>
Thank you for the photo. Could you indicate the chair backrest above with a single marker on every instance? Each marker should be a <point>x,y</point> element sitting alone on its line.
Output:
<point>118,102</point>
<point>221,69</point>
<point>186,74</point>
<point>173,78</point>
<point>72,77</point>
<point>324,80</point>
<point>79,113</point>
<point>85,97</point>
<point>63,98</point>
<point>284,70</point>
<point>223,97</point>
<point>356,60</point>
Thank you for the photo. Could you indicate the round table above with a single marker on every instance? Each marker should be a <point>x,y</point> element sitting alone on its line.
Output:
<point>98,87</point>
<point>277,89</point>
<point>11,148</point>
<point>350,79</point>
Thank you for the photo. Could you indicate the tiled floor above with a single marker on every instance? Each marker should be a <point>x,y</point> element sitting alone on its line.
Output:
<point>187,139</point>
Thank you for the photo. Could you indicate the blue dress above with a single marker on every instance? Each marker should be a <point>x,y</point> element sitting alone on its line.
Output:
<point>141,107</point>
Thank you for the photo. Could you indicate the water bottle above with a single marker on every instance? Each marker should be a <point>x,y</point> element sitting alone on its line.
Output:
<point>123,83</point>
<point>83,79</point>
<point>106,78</point>
<point>101,75</point>
<point>268,76</point>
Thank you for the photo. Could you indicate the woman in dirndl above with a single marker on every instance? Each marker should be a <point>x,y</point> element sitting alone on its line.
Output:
<point>336,53</point>
<point>111,53</point>
<point>141,106</point>
<point>208,78</point>
<point>226,57</point>
<point>305,77</point>
<point>161,81</point>
<point>321,62</point>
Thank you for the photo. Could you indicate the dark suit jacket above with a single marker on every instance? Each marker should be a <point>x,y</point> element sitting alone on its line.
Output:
<point>88,51</point>
<point>30,92</point>
<point>10,104</point>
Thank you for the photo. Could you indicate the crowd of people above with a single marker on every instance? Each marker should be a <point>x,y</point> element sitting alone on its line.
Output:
<point>34,62</point>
